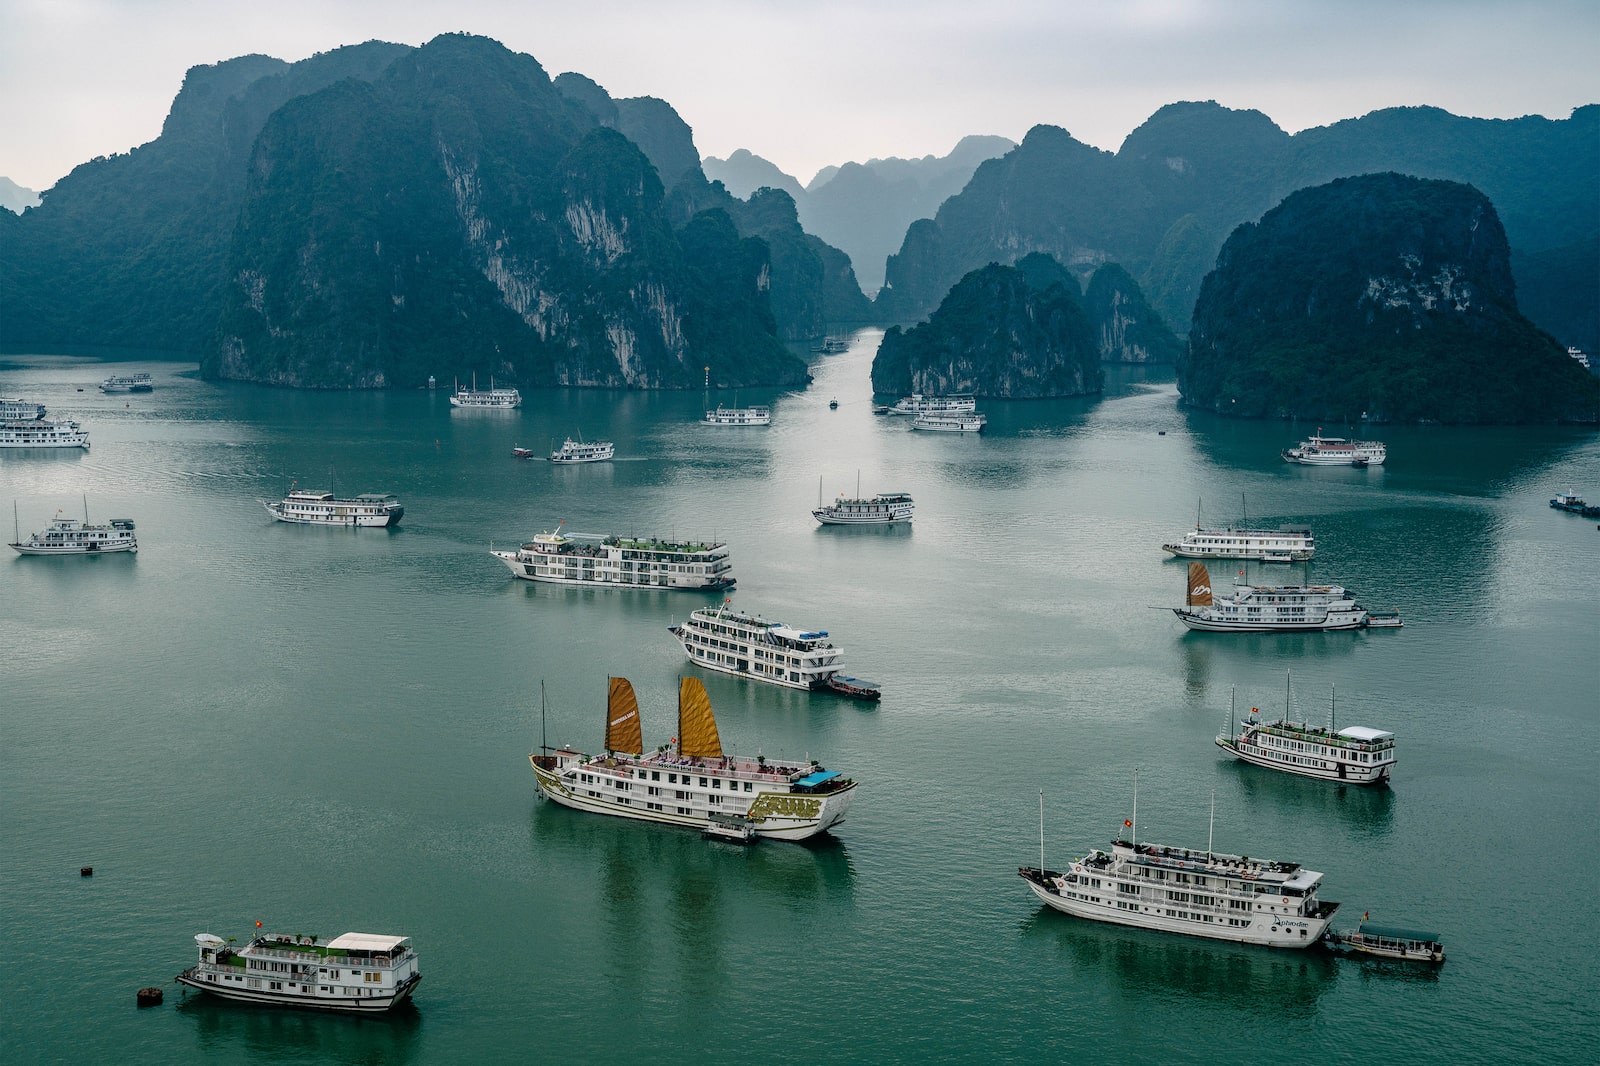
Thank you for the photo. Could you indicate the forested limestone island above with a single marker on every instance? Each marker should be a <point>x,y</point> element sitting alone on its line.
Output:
<point>1014,332</point>
<point>1127,328</point>
<point>1382,296</point>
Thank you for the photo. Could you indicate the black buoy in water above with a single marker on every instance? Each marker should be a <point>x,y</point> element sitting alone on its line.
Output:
<point>1161,433</point>
<point>87,871</point>
<point>149,997</point>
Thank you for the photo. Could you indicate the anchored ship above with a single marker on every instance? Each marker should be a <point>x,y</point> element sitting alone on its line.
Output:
<point>950,423</point>
<point>1273,608</point>
<point>363,973</point>
<point>885,508</point>
<point>580,559</point>
<point>127,383</point>
<point>918,404</point>
<point>68,536</point>
<point>490,398</point>
<point>581,451</point>
<point>1356,755</point>
<point>738,416</point>
<point>37,433</point>
<point>320,508</point>
<point>1318,450</point>
<point>690,781</point>
<point>747,645</point>
<point>15,409</point>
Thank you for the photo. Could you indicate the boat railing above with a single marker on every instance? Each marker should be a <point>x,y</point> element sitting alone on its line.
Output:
<point>1313,736</point>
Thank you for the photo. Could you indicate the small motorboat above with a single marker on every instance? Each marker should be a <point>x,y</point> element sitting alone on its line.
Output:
<point>853,688</point>
<point>521,452</point>
<point>1405,945</point>
<point>732,828</point>
<point>833,405</point>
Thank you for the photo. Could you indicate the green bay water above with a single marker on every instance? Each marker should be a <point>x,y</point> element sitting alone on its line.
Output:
<point>327,731</point>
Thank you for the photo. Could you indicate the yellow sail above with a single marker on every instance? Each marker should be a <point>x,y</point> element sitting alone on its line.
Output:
<point>697,726</point>
<point>1199,586</point>
<point>622,719</point>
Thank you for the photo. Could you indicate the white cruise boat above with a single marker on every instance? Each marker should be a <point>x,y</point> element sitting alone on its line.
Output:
<point>1272,608</point>
<point>37,433</point>
<point>362,973</point>
<point>68,536</point>
<point>320,508</point>
<point>690,781</point>
<point>1318,450</point>
<point>15,409</point>
<point>580,451</point>
<point>1284,545</point>
<point>747,645</point>
<point>491,398</point>
<point>918,404</point>
<point>1355,755</point>
<point>950,423</point>
<point>620,562</point>
<point>738,416</point>
<point>886,508</point>
<point>127,383</point>
<point>1199,893</point>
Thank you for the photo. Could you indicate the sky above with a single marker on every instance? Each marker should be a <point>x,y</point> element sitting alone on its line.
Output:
<point>812,83</point>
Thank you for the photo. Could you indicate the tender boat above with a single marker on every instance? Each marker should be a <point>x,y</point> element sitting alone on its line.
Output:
<point>689,780</point>
<point>1179,890</point>
<point>491,398</point>
<point>1567,501</point>
<point>14,409</point>
<point>1272,608</point>
<point>1318,450</point>
<point>581,451</point>
<point>886,508</point>
<point>1355,755</point>
<point>746,645</point>
<point>317,507</point>
<point>580,559</point>
<point>918,404</point>
<point>37,433</point>
<point>362,973</point>
<point>520,452</point>
<point>127,383</point>
<point>68,536</point>
<point>854,688</point>
<point>1388,942</point>
<point>950,423</point>
<point>738,416</point>
<point>733,828</point>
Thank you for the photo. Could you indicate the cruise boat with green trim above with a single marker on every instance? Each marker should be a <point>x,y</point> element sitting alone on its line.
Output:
<point>1354,755</point>
<point>357,973</point>
<point>620,562</point>
<point>691,781</point>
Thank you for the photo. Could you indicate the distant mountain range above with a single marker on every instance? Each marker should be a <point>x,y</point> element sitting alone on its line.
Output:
<point>1163,204</point>
<point>863,209</point>
<point>15,198</point>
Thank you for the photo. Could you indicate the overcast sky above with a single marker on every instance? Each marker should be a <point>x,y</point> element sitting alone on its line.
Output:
<point>807,83</point>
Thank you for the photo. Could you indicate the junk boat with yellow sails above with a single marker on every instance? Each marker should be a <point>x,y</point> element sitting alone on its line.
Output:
<point>690,781</point>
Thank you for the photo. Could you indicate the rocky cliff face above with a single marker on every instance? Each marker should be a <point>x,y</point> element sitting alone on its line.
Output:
<point>1126,327</point>
<point>1382,295</point>
<point>1012,332</point>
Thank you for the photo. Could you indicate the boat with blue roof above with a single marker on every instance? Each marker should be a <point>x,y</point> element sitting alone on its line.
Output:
<point>731,641</point>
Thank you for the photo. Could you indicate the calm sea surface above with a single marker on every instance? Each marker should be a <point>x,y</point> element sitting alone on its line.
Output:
<point>327,731</point>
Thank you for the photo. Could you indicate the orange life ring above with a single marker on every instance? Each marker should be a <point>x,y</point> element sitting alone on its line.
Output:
<point>1286,899</point>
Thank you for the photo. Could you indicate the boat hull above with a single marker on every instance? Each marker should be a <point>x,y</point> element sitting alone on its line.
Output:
<point>1355,773</point>
<point>1282,932</point>
<point>1324,459</point>
<point>523,570</point>
<point>1330,623</point>
<point>829,519</point>
<point>830,809</point>
<point>1249,556</point>
<point>306,1001</point>
<point>29,549</point>
<point>346,521</point>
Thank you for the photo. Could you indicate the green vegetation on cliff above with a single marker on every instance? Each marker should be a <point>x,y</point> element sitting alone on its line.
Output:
<point>1383,295</point>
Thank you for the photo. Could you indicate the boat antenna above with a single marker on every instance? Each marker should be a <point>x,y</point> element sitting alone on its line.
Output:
<point>16,524</point>
<point>858,483</point>
<point>1333,707</point>
<point>1211,832</point>
<point>544,747</point>
<point>1041,832</point>
<point>819,490</point>
<point>1287,699</point>
<point>1133,823</point>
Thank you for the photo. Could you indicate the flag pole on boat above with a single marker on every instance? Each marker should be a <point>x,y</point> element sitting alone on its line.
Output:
<point>1041,832</point>
<point>544,747</point>
<point>1212,829</point>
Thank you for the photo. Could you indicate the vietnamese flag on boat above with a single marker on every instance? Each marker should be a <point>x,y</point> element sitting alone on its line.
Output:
<point>1127,824</point>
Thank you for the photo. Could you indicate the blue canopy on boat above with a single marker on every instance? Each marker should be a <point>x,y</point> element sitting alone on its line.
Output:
<point>813,780</point>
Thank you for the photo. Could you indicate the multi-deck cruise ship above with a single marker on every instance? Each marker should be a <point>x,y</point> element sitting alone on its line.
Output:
<point>747,645</point>
<point>938,422</point>
<point>127,383</point>
<point>918,404</point>
<point>491,398</point>
<point>886,508</point>
<point>738,416</point>
<point>37,433</point>
<point>1200,893</point>
<point>581,451</point>
<point>318,507</point>
<point>68,536</point>
<point>690,781</point>
<point>1257,545</point>
<point>620,562</point>
<point>1355,755</point>
<point>1272,608</point>
<point>13,409</point>
<point>1318,450</point>
<point>363,973</point>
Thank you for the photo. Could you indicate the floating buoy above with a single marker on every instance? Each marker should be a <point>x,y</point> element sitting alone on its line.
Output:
<point>1161,433</point>
<point>149,997</point>
<point>87,871</point>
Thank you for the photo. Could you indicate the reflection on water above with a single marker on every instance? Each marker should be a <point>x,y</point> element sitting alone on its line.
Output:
<point>1368,809</point>
<point>1148,965</point>
<point>285,1034</point>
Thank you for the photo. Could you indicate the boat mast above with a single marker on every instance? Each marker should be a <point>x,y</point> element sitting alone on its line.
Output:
<point>1211,832</point>
<point>1041,831</point>
<point>1135,819</point>
<point>544,747</point>
<point>1333,706</point>
<point>1233,697</point>
<point>86,508</point>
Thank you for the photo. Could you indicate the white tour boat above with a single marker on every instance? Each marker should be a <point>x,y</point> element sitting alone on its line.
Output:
<point>363,973</point>
<point>691,781</point>
<point>1286,544</point>
<point>1318,450</point>
<point>1355,755</point>
<point>950,423</point>
<point>747,645</point>
<point>738,416</point>
<point>68,536</point>
<point>37,433</point>
<point>581,451</point>
<point>1178,890</point>
<point>831,346</point>
<point>918,404</point>
<point>886,508</point>
<point>491,398</point>
<point>15,409</point>
<point>1388,942</point>
<point>127,383</point>
<point>320,508</point>
<point>580,559</point>
<point>1272,608</point>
